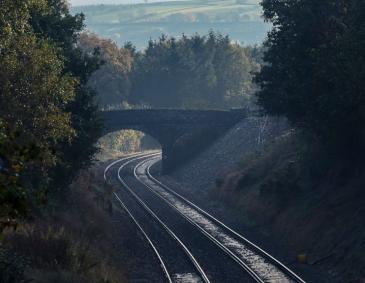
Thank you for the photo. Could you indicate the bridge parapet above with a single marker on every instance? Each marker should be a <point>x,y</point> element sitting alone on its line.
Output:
<point>163,116</point>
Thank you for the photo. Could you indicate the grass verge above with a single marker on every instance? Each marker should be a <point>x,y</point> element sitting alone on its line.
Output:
<point>71,243</point>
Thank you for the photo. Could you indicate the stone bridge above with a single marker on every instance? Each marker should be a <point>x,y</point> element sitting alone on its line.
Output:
<point>181,133</point>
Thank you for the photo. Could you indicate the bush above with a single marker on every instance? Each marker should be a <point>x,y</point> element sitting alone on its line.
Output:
<point>12,267</point>
<point>72,243</point>
<point>45,247</point>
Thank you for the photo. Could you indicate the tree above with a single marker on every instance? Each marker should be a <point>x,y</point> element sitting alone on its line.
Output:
<point>48,119</point>
<point>313,72</point>
<point>193,72</point>
<point>34,94</point>
<point>112,82</point>
<point>63,29</point>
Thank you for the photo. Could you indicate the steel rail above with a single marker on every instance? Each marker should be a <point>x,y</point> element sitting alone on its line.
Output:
<point>201,272</point>
<point>217,222</point>
<point>162,264</point>
<point>107,168</point>
<point>221,224</point>
<point>209,236</point>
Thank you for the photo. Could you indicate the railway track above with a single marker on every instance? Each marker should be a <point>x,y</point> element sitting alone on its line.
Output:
<point>167,249</point>
<point>259,265</point>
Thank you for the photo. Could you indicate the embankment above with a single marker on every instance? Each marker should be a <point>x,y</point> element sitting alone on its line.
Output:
<point>261,178</point>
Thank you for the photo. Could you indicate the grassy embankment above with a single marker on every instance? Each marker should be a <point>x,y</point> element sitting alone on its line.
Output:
<point>305,199</point>
<point>72,238</point>
<point>72,242</point>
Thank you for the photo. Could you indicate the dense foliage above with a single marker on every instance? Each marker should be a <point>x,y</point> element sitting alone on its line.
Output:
<point>193,72</point>
<point>314,73</point>
<point>112,81</point>
<point>190,72</point>
<point>48,119</point>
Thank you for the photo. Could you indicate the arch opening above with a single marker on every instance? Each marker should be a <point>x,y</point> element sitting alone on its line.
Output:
<point>126,141</point>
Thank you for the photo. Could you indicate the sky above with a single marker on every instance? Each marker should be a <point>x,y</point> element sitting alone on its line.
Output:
<point>93,2</point>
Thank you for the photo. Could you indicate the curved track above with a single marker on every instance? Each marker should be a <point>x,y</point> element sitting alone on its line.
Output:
<point>176,261</point>
<point>223,254</point>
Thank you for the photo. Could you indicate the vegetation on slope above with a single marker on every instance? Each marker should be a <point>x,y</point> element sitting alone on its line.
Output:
<point>295,193</point>
<point>73,242</point>
<point>307,188</point>
<point>49,127</point>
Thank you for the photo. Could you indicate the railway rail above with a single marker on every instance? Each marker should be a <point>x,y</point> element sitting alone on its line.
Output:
<point>258,264</point>
<point>199,275</point>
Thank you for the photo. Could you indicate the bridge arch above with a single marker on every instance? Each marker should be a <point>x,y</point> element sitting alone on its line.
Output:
<point>181,133</point>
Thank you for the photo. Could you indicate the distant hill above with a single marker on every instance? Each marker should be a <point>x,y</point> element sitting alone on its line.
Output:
<point>96,2</point>
<point>241,19</point>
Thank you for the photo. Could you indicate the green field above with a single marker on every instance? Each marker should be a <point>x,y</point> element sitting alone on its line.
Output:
<point>139,22</point>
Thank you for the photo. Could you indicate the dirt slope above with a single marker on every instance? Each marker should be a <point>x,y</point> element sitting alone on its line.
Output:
<point>246,137</point>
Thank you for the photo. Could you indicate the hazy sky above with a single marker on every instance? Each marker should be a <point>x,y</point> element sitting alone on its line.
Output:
<point>91,2</point>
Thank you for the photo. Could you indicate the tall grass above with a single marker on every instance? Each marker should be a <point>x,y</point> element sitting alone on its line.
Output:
<point>73,244</point>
